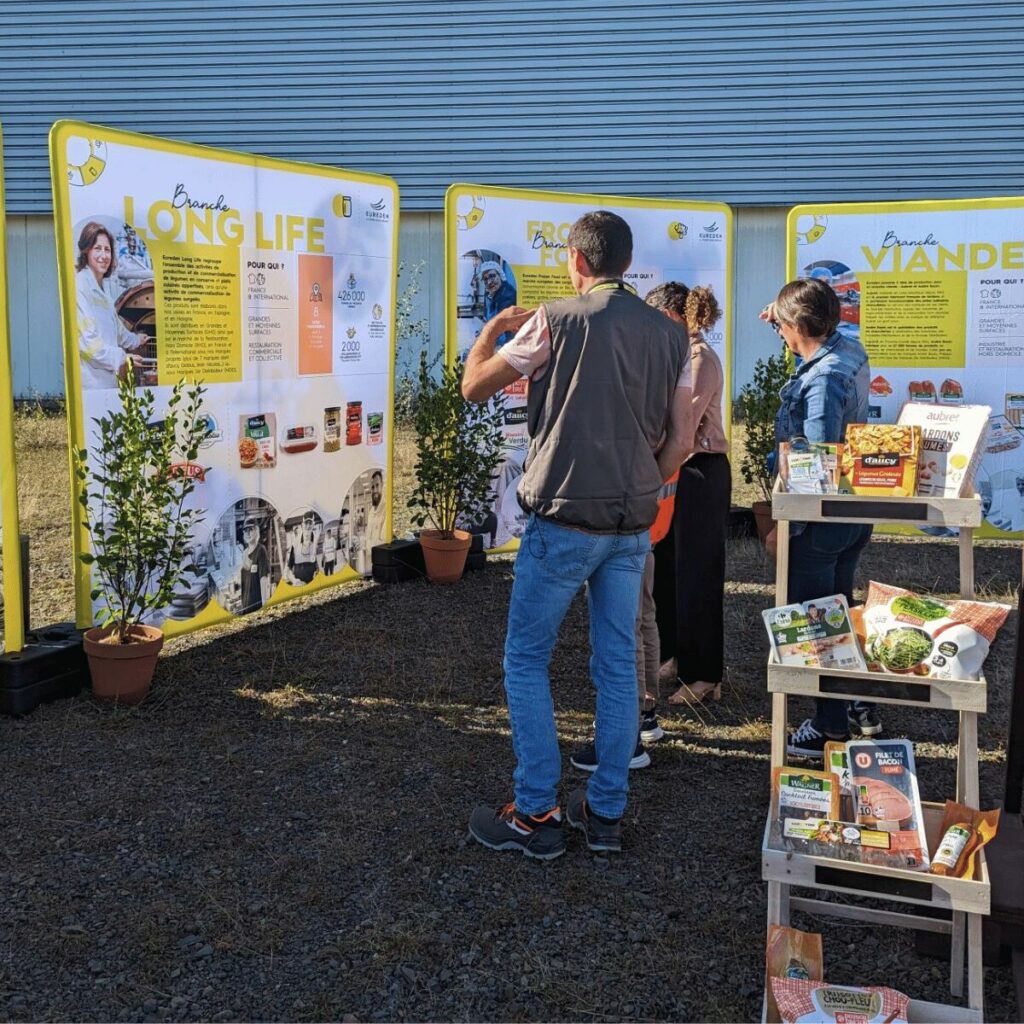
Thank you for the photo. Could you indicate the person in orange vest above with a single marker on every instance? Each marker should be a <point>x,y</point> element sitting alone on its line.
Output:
<point>648,640</point>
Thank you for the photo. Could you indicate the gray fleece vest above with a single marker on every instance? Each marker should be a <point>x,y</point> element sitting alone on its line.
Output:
<point>599,411</point>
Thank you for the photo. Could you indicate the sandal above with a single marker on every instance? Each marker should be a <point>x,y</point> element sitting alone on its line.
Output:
<point>696,694</point>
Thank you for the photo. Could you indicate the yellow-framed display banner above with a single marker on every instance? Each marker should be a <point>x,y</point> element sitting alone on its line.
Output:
<point>506,246</point>
<point>272,282</point>
<point>14,621</point>
<point>935,291</point>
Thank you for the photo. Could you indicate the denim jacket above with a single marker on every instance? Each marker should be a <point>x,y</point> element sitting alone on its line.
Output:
<point>827,392</point>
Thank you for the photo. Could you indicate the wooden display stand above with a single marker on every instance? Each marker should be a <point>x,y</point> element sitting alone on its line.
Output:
<point>966,901</point>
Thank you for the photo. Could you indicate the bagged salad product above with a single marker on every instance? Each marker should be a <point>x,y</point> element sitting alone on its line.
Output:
<point>913,633</point>
<point>817,1002</point>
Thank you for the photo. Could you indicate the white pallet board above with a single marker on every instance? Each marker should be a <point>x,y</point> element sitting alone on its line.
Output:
<point>862,508</point>
<point>791,867</point>
<point>945,694</point>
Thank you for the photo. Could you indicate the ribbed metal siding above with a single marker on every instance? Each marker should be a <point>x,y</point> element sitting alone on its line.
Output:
<point>748,101</point>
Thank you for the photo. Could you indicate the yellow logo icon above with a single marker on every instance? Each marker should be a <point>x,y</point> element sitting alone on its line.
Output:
<point>86,160</point>
<point>809,228</point>
<point>469,211</point>
<point>677,230</point>
<point>341,206</point>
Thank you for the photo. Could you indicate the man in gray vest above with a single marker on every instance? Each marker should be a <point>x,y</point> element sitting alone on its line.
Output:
<point>609,420</point>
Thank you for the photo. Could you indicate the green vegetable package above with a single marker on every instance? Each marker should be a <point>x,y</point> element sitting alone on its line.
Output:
<point>915,634</point>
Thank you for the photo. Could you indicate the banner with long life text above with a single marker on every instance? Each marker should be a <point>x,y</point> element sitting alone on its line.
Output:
<point>507,247</point>
<point>935,292</point>
<point>14,628</point>
<point>270,282</point>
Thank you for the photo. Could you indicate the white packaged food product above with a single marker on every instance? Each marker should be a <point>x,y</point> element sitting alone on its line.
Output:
<point>952,443</point>
<point>922,635</point>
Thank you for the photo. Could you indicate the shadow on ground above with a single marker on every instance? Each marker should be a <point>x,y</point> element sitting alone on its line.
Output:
<point>279,833</point>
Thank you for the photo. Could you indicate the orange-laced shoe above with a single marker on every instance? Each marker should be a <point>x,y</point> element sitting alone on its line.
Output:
<point>505,828</point>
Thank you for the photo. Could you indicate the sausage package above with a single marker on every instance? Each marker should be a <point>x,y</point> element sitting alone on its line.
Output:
<point>884,780</point>
<point>920,635</point>
<point>838,764</point>
<point>817,1002</point>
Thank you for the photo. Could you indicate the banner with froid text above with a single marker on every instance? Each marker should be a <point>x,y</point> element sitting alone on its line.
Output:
<point>508,247</point>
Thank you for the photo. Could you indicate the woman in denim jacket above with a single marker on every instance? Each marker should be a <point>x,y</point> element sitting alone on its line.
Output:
<point>828,391</point>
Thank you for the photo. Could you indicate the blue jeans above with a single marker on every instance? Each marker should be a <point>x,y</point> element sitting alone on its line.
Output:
<point>553,563</point>
<point>823,558</point>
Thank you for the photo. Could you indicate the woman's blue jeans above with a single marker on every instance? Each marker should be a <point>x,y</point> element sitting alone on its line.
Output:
<point>554,561</point>
<point>823,558</point>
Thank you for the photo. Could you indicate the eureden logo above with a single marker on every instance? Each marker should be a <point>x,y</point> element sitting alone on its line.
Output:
<point>469,211</point>
<point>677,230</point>
<point>86,159</point>
<point>810,227</point>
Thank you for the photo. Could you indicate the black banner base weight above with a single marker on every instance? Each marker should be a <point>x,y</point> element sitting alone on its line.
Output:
<point>50,666</point>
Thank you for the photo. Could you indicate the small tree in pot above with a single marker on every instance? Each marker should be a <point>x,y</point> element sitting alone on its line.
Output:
<point>758,405</point>
<point>132,490</point>
<point>458,448</point>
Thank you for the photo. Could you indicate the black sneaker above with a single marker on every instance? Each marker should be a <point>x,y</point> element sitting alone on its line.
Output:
<point>862,719</point>
<point>504,828</point>
<point>806,741</point>
<point>603,835</point>
<point>650,729</point>
<point>586,758</point>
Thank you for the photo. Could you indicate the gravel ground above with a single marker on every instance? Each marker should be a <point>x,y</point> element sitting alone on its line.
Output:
<point>279,832</point>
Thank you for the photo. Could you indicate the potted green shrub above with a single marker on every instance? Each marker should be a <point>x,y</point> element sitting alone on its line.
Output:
<point>758,405</point>
<point>132,489</point>
<point>458,448</point>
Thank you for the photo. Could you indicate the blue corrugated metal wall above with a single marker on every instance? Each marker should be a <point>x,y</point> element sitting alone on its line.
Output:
<point>759,103</point>
<point>748,101</point>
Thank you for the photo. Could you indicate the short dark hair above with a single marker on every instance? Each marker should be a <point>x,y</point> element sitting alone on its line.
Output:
<point>697,306</point>
<point>605,240</point>
<point>87,239</point>
<point>377,473</point>
<point>810,305</point>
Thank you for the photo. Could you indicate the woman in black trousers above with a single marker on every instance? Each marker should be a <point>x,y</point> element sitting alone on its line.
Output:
<point>690,561</point>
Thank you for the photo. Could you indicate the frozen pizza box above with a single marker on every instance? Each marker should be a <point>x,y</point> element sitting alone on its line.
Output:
<point>952,444</point>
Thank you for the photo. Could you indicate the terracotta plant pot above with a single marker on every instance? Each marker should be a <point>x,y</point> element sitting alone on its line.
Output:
<point>445,559</point>
<point>763,519</point>
<point>122,673</point>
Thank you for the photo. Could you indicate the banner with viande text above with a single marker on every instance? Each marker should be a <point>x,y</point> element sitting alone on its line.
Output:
<point>935,292</point>
<point>271,283</point>
<point>507,247</point>
<point>13,618</point>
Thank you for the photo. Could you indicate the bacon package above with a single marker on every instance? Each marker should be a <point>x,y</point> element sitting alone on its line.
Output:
<point>914,634</point>
<point>817,1002</point>
<point>884,780</point>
